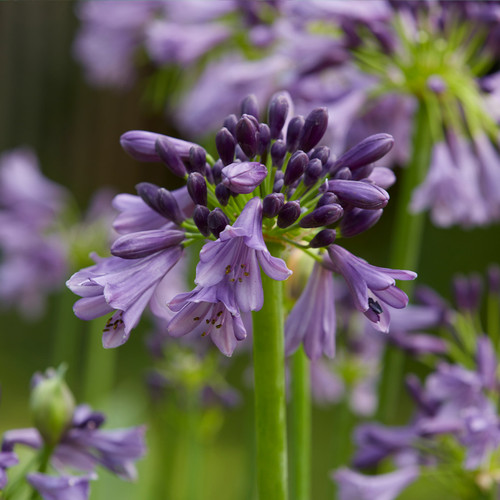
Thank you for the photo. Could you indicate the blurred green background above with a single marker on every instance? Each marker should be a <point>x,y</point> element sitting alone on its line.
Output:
<point>74,129</point>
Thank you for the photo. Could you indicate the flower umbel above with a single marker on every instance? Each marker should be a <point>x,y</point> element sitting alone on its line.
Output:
<point>272,183</point>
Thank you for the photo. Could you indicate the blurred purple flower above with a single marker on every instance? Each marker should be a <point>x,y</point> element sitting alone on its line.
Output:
<point>7,459</point>
<point>61,487</point>
<point>355,486</point>
<point>84,446</point>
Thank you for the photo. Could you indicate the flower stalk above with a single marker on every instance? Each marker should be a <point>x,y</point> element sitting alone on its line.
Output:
<point>300,412</point>
<point>269,369</point>
<point>405,252</point>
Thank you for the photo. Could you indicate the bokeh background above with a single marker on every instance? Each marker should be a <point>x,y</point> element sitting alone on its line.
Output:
<point>74,129</point>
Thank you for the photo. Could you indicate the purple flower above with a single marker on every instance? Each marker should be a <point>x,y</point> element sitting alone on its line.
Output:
<point>32,265</point>
<point>61,487</point>
<point>124,285</point>
<point>7,459</point>
<point>312,319</point>
<point>168,42</point>
<point>25,193</point>
<point>209,311</point>
<point>356,486</point>
<point>243,177</point>
<point>234,259</point>
<point>84,446</point>
<point>363,278</point>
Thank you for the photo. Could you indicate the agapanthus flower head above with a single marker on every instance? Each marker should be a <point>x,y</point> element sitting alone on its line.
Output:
<point>242,202</point>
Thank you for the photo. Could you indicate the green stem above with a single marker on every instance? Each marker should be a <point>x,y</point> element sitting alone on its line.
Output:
<point>269,371</point>
<point>66,335</point>
<point>300,408</point>
<point>100,365</point>
<point>405,253</point>
<point>194,447</point>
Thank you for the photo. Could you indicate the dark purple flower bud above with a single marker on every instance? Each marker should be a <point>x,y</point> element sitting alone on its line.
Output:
<point>208,173</point>
<point>197,188</point>
<point>322,153</point>
<point>239,154</point>
<point>343,173</point>
<point>148,192</point>
<point>367,151</point>
<point>313,172</point>
<point>246,135</point>
<point>217,221</point>
<point>322,216</point>
<point>230,123</point>
<point>197,160</point>
<point>359,194</point>
<point>358,220</point>
<point>144,243</point>
<point>217,171</point>
<point>327,199</point>
<point>293,133</point>
<point>200,218</point>
<point>323,239</point>
<point>168,155</point>
<point>494,279</point>
<point>295,167</point>
<point>225,144</point>
<point>272,204</point>
<point>277,113</point>
<point>288,214</point>
<point>249,106</point>
<point>278,152</point>
<point>223,194</point>
<point>263,139</point>
<point>360,173</point>
<point>243,177</point>
<point>314,128</point>
<point>166,205</point>
<point>141,145</point>
<point>278,185</point>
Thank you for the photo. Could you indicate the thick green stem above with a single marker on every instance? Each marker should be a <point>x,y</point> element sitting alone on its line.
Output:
<point>100,365</point>
<point>407,239</point>
<point>269,370</point>
<point>300,409</point>
<point>194,447</point>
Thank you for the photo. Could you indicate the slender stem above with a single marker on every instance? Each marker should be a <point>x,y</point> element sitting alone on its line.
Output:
<point>194,447</point>
<point>300,408</point>
<point>100,365</point>
<point>269,371</point>
<point>405,253</point>
<point>66,336</point>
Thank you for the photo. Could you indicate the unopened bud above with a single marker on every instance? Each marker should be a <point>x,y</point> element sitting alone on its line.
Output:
<point>295,167</point>
<point>200,218</point>
<point>293,133</point>
<point>225,144</point>
<point>278,152</point>
<point>217,221</point>
<point>197,188</point>
<point>322,216</point>
<point>288,214</point>
<point>197,160</point>
<point>52,405</point>
<point>168,155</point>
<point>323,239</point>
<point>314,128</point>
<point>277,113</point>
<point>272,204</point>
<point>249,106</point>
<point>246,135</point>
